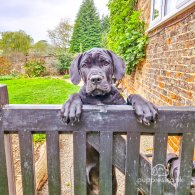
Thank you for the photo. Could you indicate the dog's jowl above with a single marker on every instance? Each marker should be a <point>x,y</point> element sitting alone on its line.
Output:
<point>97,68</point>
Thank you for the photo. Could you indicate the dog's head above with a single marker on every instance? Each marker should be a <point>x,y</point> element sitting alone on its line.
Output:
<point>96,68</point>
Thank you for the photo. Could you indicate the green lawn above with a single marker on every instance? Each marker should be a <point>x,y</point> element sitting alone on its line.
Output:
<point>38,90</point>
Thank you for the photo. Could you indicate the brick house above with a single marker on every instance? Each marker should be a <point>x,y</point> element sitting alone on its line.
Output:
<point>167,74</point>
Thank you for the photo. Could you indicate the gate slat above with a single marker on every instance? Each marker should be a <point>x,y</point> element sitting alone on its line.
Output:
<point>158,174</point>
<point>106,141</point>
<point>79,146</point>
<point>53,163</point>
<point>27,162</point>
<point>186,158</point>
<point>132,163</point>
<point>8,145</point>
<point>3,169</point>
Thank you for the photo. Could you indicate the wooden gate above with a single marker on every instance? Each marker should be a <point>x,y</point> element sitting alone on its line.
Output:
<point>101,126</point>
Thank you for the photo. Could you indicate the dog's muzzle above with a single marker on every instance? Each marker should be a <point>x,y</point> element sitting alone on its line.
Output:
<point>97,83</point>
<point>96,79</point>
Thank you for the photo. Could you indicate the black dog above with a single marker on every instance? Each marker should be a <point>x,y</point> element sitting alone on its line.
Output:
<point>96,68</point>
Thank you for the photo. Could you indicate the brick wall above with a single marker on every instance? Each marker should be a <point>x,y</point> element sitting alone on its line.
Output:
<point>167,75</point>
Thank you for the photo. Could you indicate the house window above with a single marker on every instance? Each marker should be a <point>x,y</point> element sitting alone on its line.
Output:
<point>156,9</point>
<point>162,10</point>
<point>170,6</point>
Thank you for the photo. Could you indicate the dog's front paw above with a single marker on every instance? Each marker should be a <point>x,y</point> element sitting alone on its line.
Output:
<point>146,111</point>
<point>71,110</point>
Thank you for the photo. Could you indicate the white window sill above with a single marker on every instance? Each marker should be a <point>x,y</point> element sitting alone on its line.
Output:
<point>172,15</point>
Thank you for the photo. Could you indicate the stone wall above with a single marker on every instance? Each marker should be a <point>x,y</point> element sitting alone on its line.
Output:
<point>167,75</point>
<point>18,60</point>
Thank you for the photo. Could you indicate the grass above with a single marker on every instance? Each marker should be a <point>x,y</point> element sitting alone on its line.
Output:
<point>66,76</point>
<point>38,91</point>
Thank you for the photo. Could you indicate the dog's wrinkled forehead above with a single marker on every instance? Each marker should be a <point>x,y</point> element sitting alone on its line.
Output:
<point>95,55</point>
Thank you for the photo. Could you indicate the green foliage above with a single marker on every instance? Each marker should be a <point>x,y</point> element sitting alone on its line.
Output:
<point>64,61</point>
<point>104,30</point>
<point>132,45</point>
<point>7,77</point>
<point>39,137</point>
<point>66,76</point>
<point>17,41</point>
<point>105,23</point>
<point>127,32</point>
<point>87,28</point>
<point>40,48</point>
<point>34,68</point>
<point>60,36</point>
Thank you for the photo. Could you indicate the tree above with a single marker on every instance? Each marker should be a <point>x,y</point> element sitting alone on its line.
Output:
<point>87,28</point>
<point>105,26</point>
<point>41,47</point>
<point>105,23</point>
<point>12,42</point>
<point>61,35</point>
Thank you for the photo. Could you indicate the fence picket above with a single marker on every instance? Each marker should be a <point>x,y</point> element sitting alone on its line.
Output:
<point>79,140</point>
<point>3,169</point>
<point>132,163</point>
<point>53,163</point>
<point>4,100</point>
<point>158,173</point>
<point>106,141</point>
<point>27,162</point>
<point>186,158</point>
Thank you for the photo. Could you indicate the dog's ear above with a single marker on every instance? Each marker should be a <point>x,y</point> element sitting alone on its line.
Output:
<point>74,70</point>
<point>119,65</point>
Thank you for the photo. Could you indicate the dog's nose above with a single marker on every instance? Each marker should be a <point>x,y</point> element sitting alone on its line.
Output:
<point>96,79</point>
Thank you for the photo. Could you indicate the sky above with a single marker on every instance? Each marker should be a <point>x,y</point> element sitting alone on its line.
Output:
<point>35,17</point>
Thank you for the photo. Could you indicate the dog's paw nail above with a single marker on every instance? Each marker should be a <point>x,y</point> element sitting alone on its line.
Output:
<point>147,124</point>
<point>139,121</point>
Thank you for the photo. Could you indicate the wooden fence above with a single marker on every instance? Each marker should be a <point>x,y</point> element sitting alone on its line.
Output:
<point>101,126</point>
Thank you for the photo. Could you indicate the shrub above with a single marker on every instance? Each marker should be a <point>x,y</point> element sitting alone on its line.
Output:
<point>133,43</point>
<point>64,61</point>
<point>66,76</point>
<point>126,35</point>
<point>5,66</point>
<point>35,68</point>
<point>7,77</point>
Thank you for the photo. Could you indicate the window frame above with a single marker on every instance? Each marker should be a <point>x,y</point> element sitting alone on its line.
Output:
<point>181,6</point>
<point>156,20</point>
<point>181,3</point>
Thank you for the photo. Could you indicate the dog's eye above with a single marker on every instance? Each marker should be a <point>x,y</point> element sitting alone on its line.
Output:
<point>105,63</point>
<point>84,65</point>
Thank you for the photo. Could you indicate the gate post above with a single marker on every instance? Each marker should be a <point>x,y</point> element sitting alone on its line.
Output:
<point>8,145</point>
